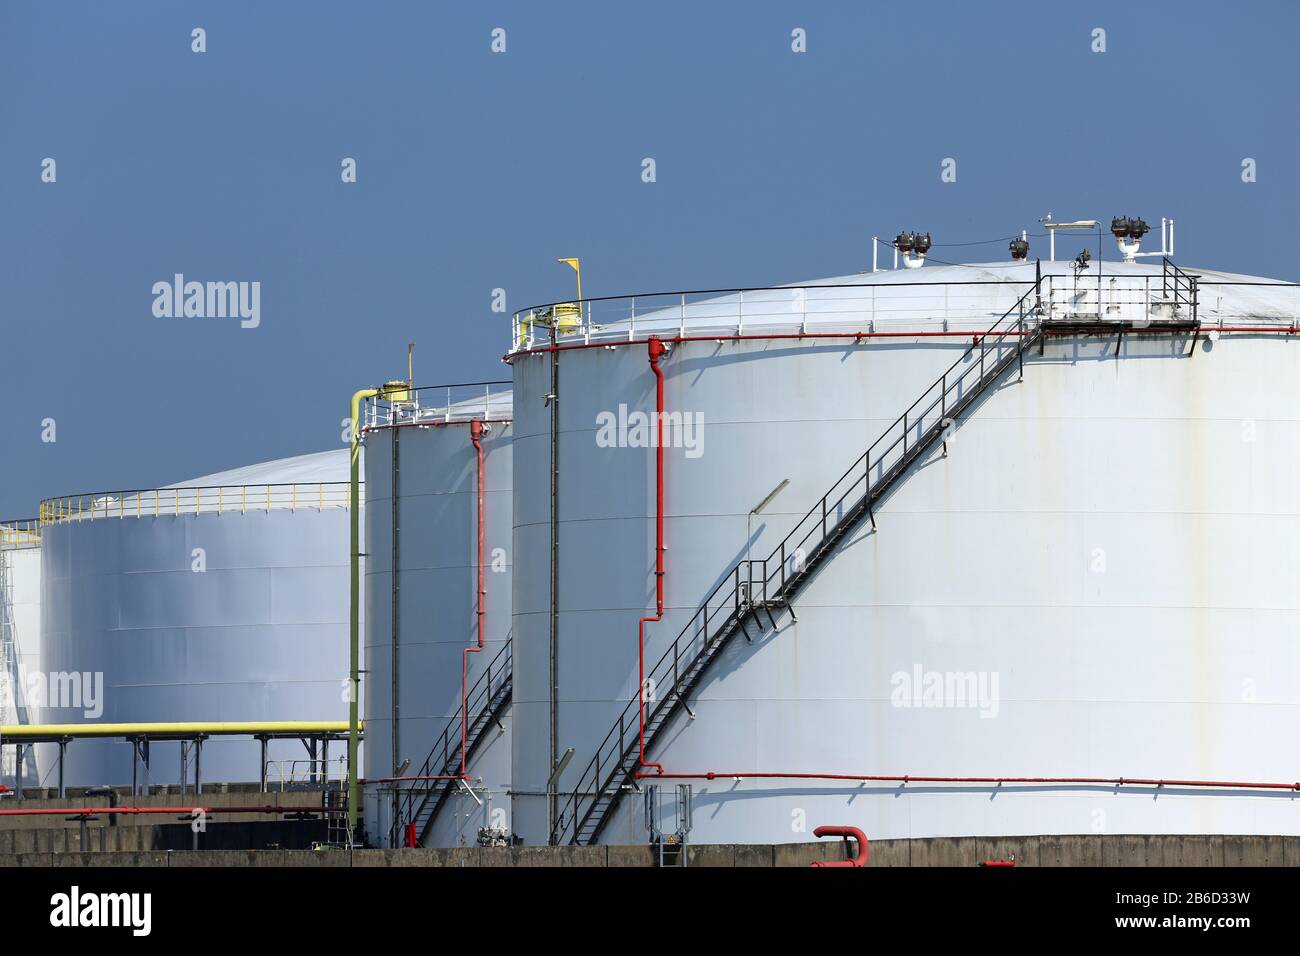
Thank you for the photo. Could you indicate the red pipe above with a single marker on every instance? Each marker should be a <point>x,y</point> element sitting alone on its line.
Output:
<point>998,863</point>
<point>787,336</point>
<point>908,778</point>
<point>860,859</point>
<point>655,349</point>
<point>428,423</point>
<point>476,436</point>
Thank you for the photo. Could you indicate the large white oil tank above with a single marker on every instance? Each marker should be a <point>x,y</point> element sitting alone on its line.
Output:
<point>438,499</point>
<point>21,678</point>
<point>223,598</point>
<point>1088,576</point>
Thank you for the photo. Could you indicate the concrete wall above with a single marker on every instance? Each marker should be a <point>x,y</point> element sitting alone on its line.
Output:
<point>1119,850</point>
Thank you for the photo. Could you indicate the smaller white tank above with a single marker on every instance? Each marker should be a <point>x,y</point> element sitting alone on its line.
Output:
<point>224,598</point>
<point>438,631</point>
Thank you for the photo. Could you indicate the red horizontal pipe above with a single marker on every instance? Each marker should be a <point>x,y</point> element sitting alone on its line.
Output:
<point>909,778</point>
<point>996,863</point>
<point>860,859</point>
<point>779,336</point>
<point>436,423</point>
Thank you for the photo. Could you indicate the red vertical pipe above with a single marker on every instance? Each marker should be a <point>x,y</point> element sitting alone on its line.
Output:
<point>655,349</point>
<point>476,436</point>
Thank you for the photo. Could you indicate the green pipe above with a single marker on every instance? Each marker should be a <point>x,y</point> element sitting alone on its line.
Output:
<point>354,617</point>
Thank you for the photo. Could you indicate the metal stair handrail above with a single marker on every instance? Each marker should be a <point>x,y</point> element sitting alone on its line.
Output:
<point>444,757</point>
<point>1180,287</point>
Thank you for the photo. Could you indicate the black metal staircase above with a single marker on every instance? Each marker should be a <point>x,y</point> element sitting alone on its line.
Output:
<point>754,590</point>
<point>487,700</point>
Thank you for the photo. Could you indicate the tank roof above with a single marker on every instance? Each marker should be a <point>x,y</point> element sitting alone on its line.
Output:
<point>321,466</point>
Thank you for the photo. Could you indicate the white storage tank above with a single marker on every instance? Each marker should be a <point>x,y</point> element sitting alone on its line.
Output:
<point>438,498</point>
<point>1092,577</point>
<point>20,644</point>
<point>223,598</point>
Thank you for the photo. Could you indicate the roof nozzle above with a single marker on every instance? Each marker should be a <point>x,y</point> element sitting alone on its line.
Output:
<point>913,246</point>
<point>1128,233</point>
<point>1019,250</point>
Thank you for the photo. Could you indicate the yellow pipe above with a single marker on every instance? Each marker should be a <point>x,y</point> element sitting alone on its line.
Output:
<point>354,609</point>
<point>218,728</point>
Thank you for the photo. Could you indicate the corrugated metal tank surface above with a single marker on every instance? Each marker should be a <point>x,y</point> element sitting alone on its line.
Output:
<point>21,617</point>
<point>436,521</point>
<point>236,613</point>
<point>1108,550</point>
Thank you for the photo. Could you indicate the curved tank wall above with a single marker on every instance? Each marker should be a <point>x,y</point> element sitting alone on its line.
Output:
<point>229,604</point>
<point>20,632</point>
<point>434,462</point>
<point>1097,580</point>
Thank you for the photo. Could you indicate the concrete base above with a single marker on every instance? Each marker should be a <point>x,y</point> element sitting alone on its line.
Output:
<point>1119,850</point>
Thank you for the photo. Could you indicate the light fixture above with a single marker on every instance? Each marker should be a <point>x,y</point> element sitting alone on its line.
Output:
<point>559,769</point>
<point>1052,228</point>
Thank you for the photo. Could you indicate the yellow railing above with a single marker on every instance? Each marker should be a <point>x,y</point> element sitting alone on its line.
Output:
<point>215,499</point>
<point>22,533</point>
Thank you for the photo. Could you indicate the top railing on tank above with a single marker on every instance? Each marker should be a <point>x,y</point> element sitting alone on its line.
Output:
<point>1154,298</point>
<point>787,309</point>
<point>20,533</point>
<point>439,404</point>
<point>208,499</point>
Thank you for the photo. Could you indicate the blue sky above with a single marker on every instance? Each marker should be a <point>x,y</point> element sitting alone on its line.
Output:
<point>476,170</point>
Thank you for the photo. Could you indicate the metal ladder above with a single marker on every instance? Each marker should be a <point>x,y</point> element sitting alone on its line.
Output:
<point>10,671</point>
<point>488,698</point>
<point>755,590</point>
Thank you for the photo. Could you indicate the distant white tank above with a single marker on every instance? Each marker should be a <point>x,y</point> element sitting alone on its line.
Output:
<point>429,452</point>
<point>223,598</point>
<point>20,643</point>
<point>1088,575</point>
